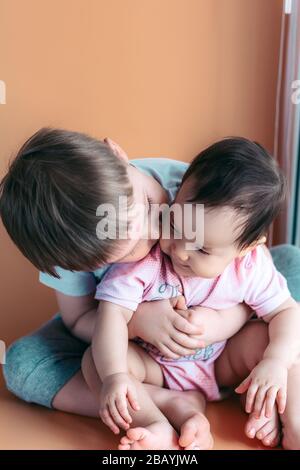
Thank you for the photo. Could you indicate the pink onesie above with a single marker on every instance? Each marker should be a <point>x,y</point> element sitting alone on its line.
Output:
<point>252,279</point>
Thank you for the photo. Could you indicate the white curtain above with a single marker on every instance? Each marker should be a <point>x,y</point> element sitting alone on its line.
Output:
<point>287,125</point>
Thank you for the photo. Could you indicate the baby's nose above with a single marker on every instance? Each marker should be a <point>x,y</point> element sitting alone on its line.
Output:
<point>179,253</point>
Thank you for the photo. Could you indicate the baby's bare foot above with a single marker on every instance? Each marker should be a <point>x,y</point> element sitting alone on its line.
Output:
<point>265,429</point>
<point>195,433</point>
<point>158,435</point>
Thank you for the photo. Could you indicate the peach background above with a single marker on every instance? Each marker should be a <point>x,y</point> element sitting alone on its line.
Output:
<point>161,77</point>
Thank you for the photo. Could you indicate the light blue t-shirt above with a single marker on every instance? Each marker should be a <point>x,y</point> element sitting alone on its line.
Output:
<point>169,174</point>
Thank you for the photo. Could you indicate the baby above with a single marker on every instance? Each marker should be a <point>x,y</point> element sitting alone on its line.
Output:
<point>242,190</point>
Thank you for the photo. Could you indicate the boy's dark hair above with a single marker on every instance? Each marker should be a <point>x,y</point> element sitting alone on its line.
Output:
<point>49,197</point>
<point>240,174</point>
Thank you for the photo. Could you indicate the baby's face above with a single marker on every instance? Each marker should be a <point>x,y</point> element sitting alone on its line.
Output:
<point>219,248</point>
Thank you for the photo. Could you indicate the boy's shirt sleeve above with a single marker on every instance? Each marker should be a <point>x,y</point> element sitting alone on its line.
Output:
<point>266,288</point>
<point>70,283</point>
<point>167,172</point>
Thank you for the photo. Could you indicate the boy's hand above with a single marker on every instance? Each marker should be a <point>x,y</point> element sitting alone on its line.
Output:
<point>266,385</point>
<point>116,392</point>
<point>166,325</point>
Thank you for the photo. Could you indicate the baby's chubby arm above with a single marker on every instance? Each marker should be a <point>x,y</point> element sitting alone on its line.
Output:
<point>267,383</point>
<point>109,350</point>
<point>284,328</point>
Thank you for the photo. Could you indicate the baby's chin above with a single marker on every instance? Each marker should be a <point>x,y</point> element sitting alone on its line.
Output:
<point>183,271</point>
<point>188,272</point>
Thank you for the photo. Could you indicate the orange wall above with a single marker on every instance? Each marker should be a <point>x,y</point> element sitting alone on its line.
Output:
<point>161,77</point>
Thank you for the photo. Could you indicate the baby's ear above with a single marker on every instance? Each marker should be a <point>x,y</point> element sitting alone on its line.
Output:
<point>260,241</point>
<point>116,149</point>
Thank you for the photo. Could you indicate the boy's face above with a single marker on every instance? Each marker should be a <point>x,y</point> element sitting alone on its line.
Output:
<point>219,248</point>
<point>146,191</point>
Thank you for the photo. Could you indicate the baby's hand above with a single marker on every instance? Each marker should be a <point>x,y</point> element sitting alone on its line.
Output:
<point>116,391</point>
<point>166,325</point>
<point>266,385</point>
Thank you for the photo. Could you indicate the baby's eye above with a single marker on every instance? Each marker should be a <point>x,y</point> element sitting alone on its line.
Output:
<point>203,252</point>
<point>150,202</point>
<point>174,229</point>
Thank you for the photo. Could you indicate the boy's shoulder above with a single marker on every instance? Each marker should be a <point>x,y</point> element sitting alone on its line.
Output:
<point>160,165</point>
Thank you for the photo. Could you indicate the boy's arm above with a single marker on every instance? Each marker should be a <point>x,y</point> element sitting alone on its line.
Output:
<point>78,314</point>
<point>102,323</point>
<point>158,323</point>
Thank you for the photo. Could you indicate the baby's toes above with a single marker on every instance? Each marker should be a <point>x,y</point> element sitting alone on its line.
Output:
<point>265,430</point>
<point>126,441</point>
<point>193,446</point>
<point>124,447</point>
<point>202,444</point>
<point>195,433</point>
<point>272,439</point>
<point>187,436</point>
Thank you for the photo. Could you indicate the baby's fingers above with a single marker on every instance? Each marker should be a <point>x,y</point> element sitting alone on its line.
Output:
<point>118,419</point>
<point>121,405</point>
<point>180,323</point>
<point>259,401</point>
<point>247,384</point>
<point>270,401</point>
<point>180,303</point>
<point>250,398</point>
<point>281,400</point>
<point>107,419</point>
<point>184,344</point>
<point>133,399</point>
<point>243,387</point>
<point>168,353</point>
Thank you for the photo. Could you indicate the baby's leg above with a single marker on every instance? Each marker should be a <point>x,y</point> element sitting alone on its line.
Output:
<point>241,355</point>
<point>151,428</point>
<point>291,417</point>
<point>186,412</point>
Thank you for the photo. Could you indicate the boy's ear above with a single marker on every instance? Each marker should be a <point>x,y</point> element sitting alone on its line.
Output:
<point>253,245</point>
<point>116,149</point>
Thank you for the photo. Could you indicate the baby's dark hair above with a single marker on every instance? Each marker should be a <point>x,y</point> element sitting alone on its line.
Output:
<point>49,198</point>
<point>242,175</point>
